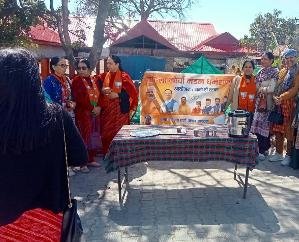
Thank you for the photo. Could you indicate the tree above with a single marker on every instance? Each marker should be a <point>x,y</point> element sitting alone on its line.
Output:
<point>142,9</point>
<point>61,22</point>
<point>16,17</point>
<point>270,30</point>
<point>109,17</point>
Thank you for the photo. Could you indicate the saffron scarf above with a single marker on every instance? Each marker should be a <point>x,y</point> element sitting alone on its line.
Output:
<point>117,83</point>
<point>247,92</point>
<point>93,91</point>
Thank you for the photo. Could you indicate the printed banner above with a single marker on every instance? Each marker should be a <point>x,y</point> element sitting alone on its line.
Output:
<point>180,98</point>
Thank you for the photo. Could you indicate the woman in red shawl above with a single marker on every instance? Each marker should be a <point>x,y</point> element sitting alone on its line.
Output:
<point>119,100</point>
<point>86,95</point>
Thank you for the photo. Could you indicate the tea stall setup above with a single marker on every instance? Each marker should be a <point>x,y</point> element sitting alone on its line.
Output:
<point>142,143</point>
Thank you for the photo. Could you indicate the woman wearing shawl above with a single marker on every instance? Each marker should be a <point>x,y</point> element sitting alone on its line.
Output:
<point>119,100</point>
<point>86,95</point>
<point>57,87</point>
<point>284,95</point>
<point>265,83</point>
<point>33,175</point>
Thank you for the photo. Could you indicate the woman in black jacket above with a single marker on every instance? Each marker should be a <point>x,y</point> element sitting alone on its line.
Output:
<point>32,157</point>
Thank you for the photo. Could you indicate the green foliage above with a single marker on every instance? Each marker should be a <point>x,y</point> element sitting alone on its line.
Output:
<point>16,17</point>
<point>142,9</point>
<point>270,30</point>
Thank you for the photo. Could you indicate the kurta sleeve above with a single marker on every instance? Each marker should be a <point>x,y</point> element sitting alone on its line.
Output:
<point>49,88</point>
<point>53,88</point>
<point>130,88</point>
<point>76,150</point>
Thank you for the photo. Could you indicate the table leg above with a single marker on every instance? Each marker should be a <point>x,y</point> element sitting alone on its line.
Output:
<point>119,185</point>
<point>246,182</point>
<point>126,175</point>
<point>235,171</point>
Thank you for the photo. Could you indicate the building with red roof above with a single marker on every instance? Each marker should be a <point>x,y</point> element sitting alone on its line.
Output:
<point>179,42</point>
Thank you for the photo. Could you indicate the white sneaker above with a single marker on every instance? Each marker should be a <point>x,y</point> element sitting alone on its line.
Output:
<point>71,172</point>
<point>276,157</point>
<point>261,157</point>
<point>286,161</point>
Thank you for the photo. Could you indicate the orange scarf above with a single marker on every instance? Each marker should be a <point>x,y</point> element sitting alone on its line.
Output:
<point>247,92</point>
<point>93,91</point>
<point>117,82</point>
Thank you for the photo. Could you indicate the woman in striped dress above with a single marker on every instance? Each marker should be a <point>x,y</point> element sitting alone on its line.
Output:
<point>118,100</point>
<point>265,83</point>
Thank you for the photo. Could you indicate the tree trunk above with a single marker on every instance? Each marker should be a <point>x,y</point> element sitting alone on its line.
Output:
<point>67,44</point>
<point>99,38</point>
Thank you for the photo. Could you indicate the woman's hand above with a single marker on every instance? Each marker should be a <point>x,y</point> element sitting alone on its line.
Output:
<point>261,95</point>
<point>96,111</point>
<point>106,90</point>
<point>261,90</point>
<point>71,105</point>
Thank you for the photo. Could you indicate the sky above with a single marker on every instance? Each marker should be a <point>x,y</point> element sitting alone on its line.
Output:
<point>233,16</point>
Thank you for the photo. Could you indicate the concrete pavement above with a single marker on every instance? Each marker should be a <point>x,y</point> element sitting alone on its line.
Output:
<point>184,201</point>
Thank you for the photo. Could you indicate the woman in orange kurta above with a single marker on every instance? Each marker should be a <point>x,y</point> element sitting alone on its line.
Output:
<point>86,95</point>
<point>118,100</point>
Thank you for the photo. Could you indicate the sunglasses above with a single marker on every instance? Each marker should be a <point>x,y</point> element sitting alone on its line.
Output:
<point>63,65</point>
<point>83,68</point>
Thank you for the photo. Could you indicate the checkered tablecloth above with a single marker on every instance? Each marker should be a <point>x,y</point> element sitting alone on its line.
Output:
<point>126,150</point>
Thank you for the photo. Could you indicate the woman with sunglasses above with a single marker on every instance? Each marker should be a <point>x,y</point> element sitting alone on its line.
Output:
<point>57,87</point>
<point>86,95</point>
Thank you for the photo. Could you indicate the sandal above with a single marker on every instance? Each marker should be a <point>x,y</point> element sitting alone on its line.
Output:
<point>84,169</point>
<point>94,164</point>
<point>76,168</point>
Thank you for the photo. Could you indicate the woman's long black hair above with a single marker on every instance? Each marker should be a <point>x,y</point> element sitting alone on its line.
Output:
<point>26,120</point>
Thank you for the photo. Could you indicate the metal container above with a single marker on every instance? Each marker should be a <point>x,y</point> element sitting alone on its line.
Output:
<point>238,123</point>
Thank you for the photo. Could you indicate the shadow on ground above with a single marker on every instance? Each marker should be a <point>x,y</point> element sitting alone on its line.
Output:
<point>224,207</point>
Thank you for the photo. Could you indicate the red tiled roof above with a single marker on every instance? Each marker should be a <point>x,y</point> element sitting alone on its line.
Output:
<point>143,28</point>
<point>223,43</point>
<point>184,35</point>
<point>179,35</point>
<point>42,33</point>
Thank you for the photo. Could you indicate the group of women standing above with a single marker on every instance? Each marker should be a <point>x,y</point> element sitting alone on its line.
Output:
<point>102,104</point>
<point>270,91</point>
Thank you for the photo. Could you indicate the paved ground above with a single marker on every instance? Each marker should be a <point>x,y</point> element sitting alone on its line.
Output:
<point>183,201</point>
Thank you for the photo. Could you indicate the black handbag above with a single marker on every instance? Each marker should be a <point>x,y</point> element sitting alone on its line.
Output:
<point>276,116</point>
<point>71,226</point>
<point>71,230</point>
<point>295,159</point>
